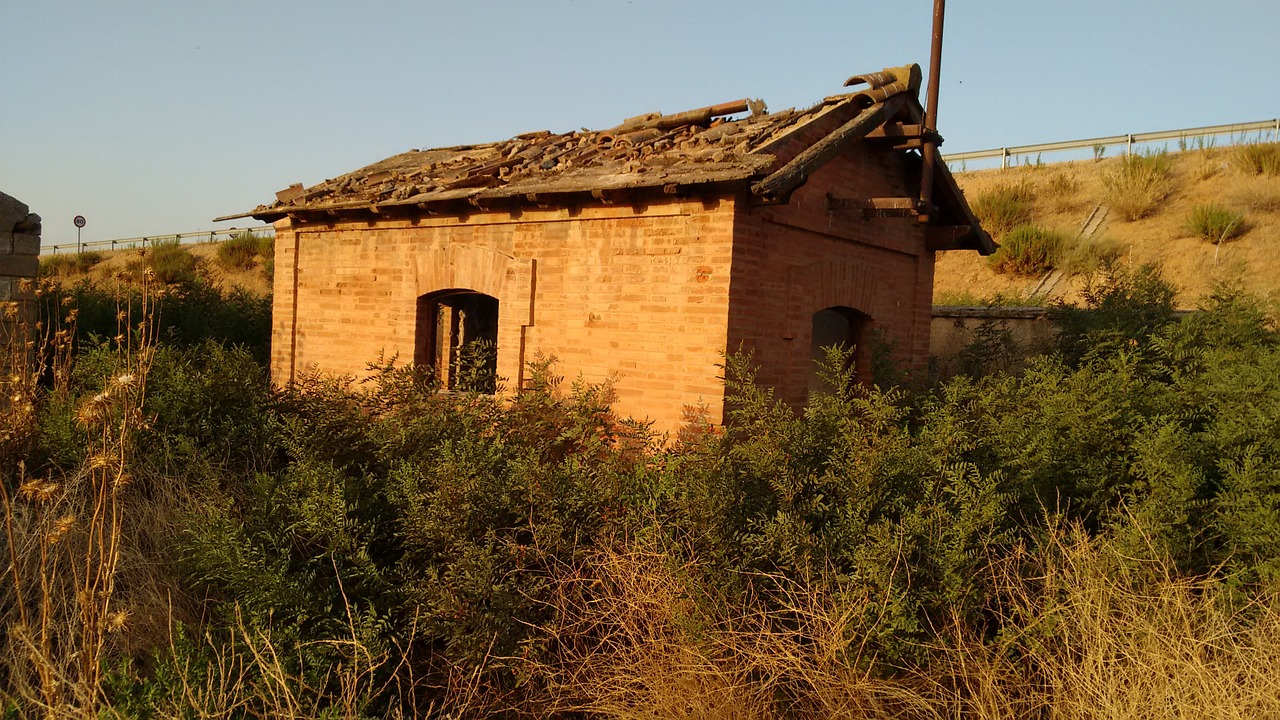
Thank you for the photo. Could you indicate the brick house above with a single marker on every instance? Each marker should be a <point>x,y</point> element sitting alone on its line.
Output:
<point>641,253</point>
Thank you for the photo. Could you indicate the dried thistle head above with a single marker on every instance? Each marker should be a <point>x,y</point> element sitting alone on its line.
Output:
<point>37,490</point>
<point>11,310</point>
<point>117,621</point>
<point>93,409</point>
<point>97,461</point>
<point>60,528</point>
<point>124,380</point>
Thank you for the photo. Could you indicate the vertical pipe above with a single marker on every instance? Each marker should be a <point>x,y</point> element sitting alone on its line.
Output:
<point>930,148</point>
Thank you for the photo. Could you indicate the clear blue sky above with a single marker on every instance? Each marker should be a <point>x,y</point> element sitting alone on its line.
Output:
<point>153,117</point>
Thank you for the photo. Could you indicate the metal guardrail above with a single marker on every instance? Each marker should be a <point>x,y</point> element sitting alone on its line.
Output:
<point>1129,140</point>
<point>144,241</point>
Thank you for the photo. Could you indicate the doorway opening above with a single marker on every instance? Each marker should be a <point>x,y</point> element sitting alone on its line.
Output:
<point>457,337</point>
<point>842,327</point>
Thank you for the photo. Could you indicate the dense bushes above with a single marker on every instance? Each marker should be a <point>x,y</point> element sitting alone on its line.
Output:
<point>377,548</point>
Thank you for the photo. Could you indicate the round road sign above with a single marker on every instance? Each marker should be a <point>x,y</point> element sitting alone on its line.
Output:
<point>79,221</point>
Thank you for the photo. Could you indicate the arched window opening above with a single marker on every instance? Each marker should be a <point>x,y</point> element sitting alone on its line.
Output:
<point>457,337</point>
<point>844,327</point>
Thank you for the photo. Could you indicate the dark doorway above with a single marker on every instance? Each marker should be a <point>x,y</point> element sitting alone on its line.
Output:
<point>457,337</point>
<point>844,327</point>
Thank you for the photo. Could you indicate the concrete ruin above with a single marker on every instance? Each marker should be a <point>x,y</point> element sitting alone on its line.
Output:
<point>19,262</point>
<point>642,253</point>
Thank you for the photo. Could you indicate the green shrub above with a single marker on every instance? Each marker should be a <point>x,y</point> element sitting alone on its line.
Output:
<point>267,246</point>
<point>172,263</point>
<point>1257,158</point>
<point>1214,223</point>
<point>1029,250</point>
<point>1004,207</point>
<point>238,253</point>
<point>1134,188</point>
<point>64,265</point>
<point>1085,256</point>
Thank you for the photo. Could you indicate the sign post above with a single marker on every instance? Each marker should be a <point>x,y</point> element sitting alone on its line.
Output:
<point>79,221</point>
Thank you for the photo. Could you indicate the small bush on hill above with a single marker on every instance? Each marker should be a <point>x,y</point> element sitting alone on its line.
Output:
<point>1259,198</point>
<point>1029,250</point>
<point>64,265</point>
<point>1214,223</point>
<point>238,253</point>
<point>1004,207</point>
<point>171,263</point>
<point>1085,256</point>
<point>1257,158</point>
<point>1134,188</point>
<point>1062,190</point>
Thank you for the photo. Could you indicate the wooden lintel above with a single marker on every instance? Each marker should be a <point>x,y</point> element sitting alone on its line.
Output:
<point>945,237</point>
<point>876,207</point>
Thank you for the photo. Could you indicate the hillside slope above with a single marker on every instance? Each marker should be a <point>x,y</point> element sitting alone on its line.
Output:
<point>1066,194</point>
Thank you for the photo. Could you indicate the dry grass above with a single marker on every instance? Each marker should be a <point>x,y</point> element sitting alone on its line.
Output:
<point>1257,159</point>
<point>1093,634</point>
<point>1062,191</point>
<point>1004,207</point>
<point>1134,188</point>
<point>68,265</point>
<point>65,534</point>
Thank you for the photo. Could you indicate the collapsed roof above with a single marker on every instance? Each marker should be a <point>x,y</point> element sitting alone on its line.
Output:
<point>731,143</point>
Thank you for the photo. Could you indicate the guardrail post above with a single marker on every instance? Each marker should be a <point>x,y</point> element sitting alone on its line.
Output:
<point>1004,158</point>
<point>1129,146</point>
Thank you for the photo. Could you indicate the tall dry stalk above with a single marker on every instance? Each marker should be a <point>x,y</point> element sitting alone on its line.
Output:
<point>64,530</point>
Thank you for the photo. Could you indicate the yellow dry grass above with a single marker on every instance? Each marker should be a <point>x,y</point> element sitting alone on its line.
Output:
<point>1066,194</point>
<point>113,262</point>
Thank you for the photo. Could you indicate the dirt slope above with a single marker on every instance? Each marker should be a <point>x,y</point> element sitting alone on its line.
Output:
<point>1190,263</point>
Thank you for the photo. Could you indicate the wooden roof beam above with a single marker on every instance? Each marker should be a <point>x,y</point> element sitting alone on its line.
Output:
<point>779,185</point>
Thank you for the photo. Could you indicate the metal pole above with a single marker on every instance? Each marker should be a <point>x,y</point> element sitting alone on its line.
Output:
<point>79,249</point>
<point>930,148</point>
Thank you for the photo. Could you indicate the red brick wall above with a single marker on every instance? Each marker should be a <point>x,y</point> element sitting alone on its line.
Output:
<point>792,260</point>
<point>639,295</point>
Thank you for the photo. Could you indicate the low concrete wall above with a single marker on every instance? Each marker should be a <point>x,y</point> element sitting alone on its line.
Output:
<point>954,328</point>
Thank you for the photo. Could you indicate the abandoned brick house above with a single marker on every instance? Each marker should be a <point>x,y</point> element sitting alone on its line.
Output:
<point>641,253</point>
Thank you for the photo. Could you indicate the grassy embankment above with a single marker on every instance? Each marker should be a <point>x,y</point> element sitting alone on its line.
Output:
<point>1201,214</point>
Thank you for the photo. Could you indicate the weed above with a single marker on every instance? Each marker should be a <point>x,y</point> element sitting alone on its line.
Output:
<point>1257,158</point>
<point>238,253</point>
<point>1004,207</point>
<point>1085,256</point>
<point>1062,190</point>
<point>1214,223</point>
<point>1259,197</point>
<point>65,265</point>
<point>1028,250</point>
<point>1134,188</point>
<point>171,263</point>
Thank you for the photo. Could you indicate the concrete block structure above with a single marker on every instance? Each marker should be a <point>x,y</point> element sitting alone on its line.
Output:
<point>19,261</point>
<point>641,254</point>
